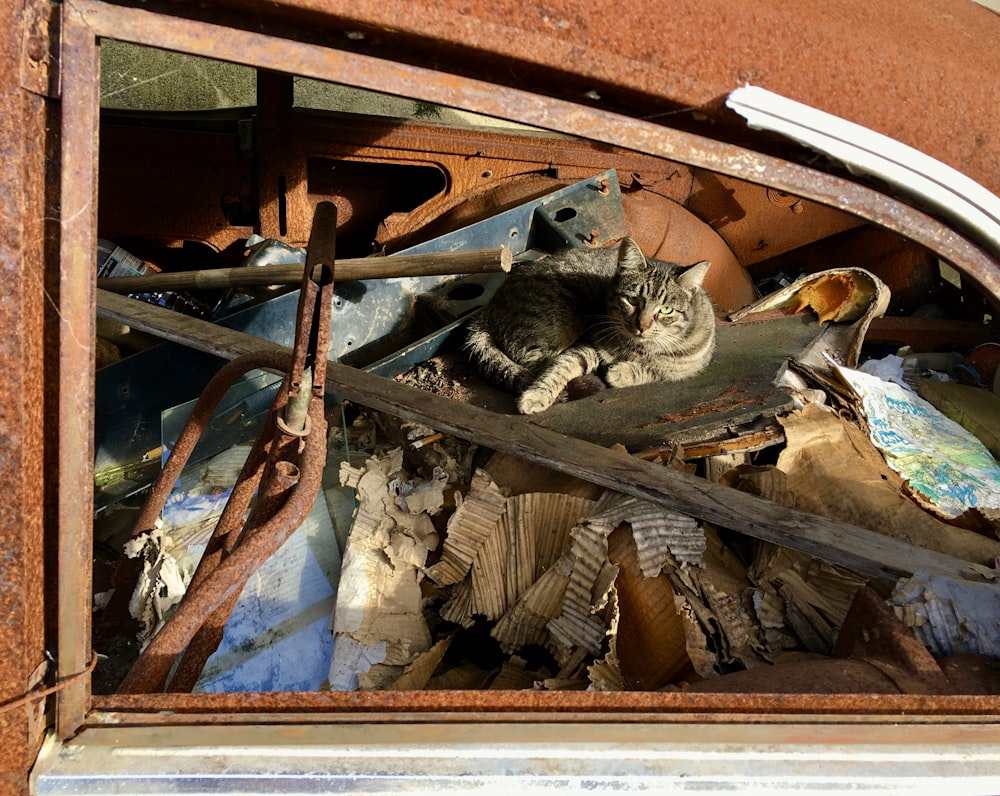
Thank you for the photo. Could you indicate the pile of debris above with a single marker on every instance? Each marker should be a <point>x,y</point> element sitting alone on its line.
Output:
<point>799,517</point>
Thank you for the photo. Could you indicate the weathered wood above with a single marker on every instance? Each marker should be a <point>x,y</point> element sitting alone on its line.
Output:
<point>856,548</point>
<point>435,264</point>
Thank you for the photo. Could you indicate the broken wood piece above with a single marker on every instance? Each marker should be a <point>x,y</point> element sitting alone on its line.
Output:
<point>436,264</point>
<point>840,543</point>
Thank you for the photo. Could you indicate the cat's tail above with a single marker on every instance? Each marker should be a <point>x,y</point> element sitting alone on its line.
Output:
<point>493,363</point>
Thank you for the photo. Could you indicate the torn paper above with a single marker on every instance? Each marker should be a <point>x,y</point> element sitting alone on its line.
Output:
<point>946,467</point>
<point>378,623</point>
<point>161,584</point>
<point>277,637</point>
<point>830,467</point>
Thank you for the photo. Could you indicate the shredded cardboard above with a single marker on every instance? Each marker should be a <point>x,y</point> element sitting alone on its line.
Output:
<point>473,522</point>
<point>794,590</point>
<point>647,636</point>
<point>527,621</point>
<point>416,676</point>
<point>948,616</point>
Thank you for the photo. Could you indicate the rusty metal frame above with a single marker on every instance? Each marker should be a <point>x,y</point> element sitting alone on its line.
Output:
<point>80,68</point>
<point>363,71</point>
<point>87,20</point>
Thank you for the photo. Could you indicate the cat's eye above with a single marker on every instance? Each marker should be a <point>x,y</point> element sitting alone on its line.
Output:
<point>666,310</point>
<point>632,301</point>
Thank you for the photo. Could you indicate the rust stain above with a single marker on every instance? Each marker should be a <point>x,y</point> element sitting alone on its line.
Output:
<point>536,706</point>
<point>729,399</point>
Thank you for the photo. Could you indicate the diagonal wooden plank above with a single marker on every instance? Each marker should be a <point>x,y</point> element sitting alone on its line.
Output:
<point>856,548</point>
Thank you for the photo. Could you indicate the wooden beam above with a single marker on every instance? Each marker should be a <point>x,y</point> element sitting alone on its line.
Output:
<point>435,264</point>
<point>855,548</point>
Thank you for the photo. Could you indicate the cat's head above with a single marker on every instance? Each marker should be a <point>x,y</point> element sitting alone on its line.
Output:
<point>651,298</point>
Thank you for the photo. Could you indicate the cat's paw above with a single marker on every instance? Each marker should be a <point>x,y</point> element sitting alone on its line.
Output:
<point>625,374</point>
<point>533,401</point>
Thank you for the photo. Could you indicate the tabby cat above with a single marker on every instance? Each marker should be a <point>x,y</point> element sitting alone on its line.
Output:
<point>611,311</point>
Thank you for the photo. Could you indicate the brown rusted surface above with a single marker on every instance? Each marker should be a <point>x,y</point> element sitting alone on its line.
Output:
<point>533,706</point>
<point>75,373</point>
<point>701,45</point>
<point>222,542</point>
<point>757,223</point>
<point>872,632</point>
<point>930,83</point>
<point>598,124</point>
<point>930,334</point>
<point>453,172</point>
<point>152,197</point>
<point>24,402</point>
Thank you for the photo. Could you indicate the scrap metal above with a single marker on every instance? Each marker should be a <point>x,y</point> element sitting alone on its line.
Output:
<point>284,468</point>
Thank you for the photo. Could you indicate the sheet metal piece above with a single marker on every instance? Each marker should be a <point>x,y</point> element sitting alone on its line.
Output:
<point>736,389</point>
<point>27,401</point>
<point>478,756</point>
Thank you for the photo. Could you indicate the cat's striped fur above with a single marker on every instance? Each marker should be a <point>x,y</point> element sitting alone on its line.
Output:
<point>613,312</point>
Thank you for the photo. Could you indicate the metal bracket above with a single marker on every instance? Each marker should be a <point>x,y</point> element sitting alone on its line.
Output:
<point>590,216</point>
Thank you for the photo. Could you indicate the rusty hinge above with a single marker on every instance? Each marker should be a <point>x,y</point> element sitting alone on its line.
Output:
<point>40,48</point>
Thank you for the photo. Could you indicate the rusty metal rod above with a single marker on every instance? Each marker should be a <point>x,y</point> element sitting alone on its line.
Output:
<point>196,423</point>
<point>228,530</point>
<point>150,670</point>
<point>436,264</point>
<point>279,479</point>
<point>127,570</point>
<point>288,484</point>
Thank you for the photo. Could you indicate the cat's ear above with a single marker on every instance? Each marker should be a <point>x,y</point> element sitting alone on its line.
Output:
<point>630,255</point>
<point>694,276</point>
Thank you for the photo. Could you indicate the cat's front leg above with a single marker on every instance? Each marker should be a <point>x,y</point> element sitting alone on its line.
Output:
<point>534,400</point>
<point>570,364</point>
<point>628,374</point>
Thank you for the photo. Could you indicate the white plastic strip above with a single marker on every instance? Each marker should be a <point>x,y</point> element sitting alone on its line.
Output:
<point>932,185</point>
